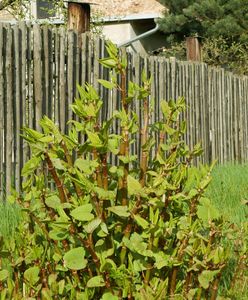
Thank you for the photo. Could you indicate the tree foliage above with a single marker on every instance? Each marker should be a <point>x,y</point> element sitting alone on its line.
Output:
<point>206,18</point>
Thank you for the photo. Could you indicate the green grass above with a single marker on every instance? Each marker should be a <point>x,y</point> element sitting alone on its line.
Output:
<point>228,189</point>
<point>10,216</point>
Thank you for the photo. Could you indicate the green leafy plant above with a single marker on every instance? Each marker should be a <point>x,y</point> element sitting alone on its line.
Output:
<point>137,229</point>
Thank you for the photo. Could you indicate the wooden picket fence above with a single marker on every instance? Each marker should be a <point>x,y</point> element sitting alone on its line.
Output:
<point>40,67</point>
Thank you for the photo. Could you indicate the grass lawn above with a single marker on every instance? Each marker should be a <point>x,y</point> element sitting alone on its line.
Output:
<point>228,189</point>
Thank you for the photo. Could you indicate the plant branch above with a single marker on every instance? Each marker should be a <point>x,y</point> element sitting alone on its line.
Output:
<point>56,179</point>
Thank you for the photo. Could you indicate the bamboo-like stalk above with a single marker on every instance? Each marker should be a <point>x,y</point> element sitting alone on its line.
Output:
<point>98,170</point>
<point>104,172</point>
<point>68,157</point>
<point>148,271</point>
<point>56,179</point>
<point>175,269</point>
<point>124,147</point>
<point>144,138</point>
<point>188,279</point>
<point>215,286</point>
<point>44,278</point>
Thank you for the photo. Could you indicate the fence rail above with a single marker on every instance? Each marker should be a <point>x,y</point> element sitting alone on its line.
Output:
<point>41,65</point>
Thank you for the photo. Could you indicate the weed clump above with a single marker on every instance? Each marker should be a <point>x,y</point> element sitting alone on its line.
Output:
<point>139,229</point>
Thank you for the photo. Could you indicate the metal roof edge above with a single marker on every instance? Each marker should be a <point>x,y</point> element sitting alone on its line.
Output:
<point>131,17</point>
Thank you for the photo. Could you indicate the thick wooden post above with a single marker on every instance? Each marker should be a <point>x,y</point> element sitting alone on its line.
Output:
<point>78,16</point>
<point>193,47</point>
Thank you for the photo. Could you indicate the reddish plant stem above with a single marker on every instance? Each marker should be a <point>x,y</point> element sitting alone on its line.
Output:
<point>173,279</point>
<point>68,157</point>
<point>188,280</point>
<point>98,170</point>
<point>104,171</point>
<point>215,286</point>
<point>124,147</point>
<point>44,278</point>
<point>106,203</point>
<point>58,182</point>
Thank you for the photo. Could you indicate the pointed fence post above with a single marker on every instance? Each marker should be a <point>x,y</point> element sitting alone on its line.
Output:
<point>193,47</point>
<point>79,16</point>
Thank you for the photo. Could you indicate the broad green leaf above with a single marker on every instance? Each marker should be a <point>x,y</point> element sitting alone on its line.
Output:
<point>162,260</point>
<point>127,159</point>
<point>90,110</point>
<point>53,201</point>
<point>206,277</point>
<point>92,225</point>
<point>96,282</point>
<point>137,244</point>
<point>32,275</point>
<point>33,134</point>
<point>58,235</point>
<point>83,213</point>
<point>75,259</point>
<point>113,146</point>
<point>57,163</point>
<point>94,139</point>
<point>165,108</point>
<point>105,195</point>
<point>61,285</point>
<point>108,62</point>
<point>141,222</point>
<point>86,166</point>
<point>133,186</point>
<point>31,166</point>
<point>46,139</point>
<point>109,296</point>
<point>206,211</point>
<point>169,129</point>
<point>4,274</point>
<point>121,211</point>
<point>107,84</point>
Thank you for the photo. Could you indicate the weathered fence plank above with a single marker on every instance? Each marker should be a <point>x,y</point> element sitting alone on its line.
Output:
<point>8,130</point>
<point>2,173</point>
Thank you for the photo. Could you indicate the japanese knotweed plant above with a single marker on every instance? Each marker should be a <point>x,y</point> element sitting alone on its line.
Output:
<point>139,228</point>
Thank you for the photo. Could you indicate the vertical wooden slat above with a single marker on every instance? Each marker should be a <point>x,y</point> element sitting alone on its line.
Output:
<point>70,74</point>
<point>1,112</point>
<point>55,105</point>
<point>38,86</point>
<point>30,77</point>
<point>45,71</point>
<point>62,80</point>
<point>24,81</point>
<point>9,111</point>
<point>84,57</point>
<point>17,107</point>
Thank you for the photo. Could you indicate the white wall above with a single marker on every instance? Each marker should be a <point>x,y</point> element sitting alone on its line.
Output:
<point>117,33</point>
